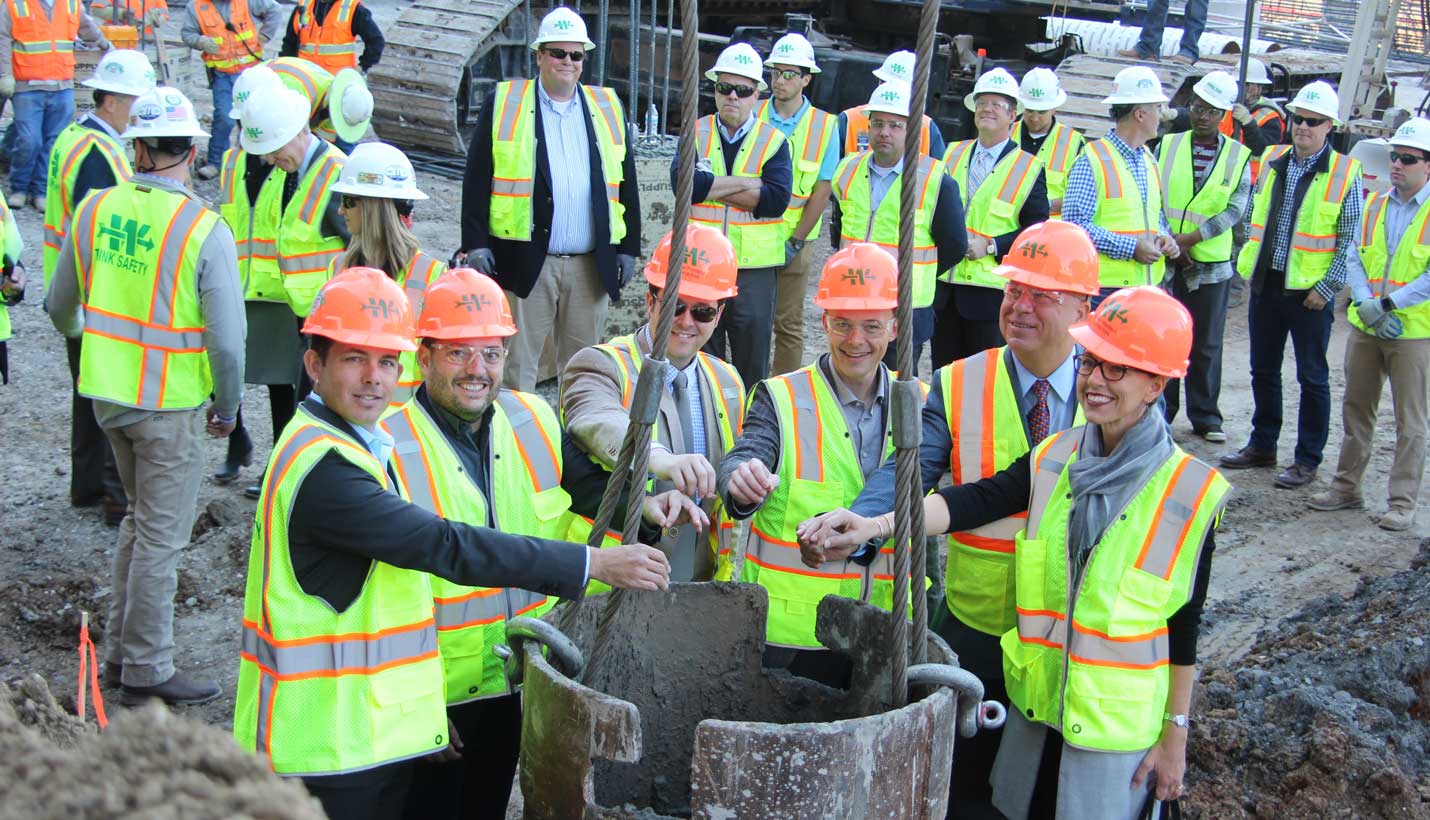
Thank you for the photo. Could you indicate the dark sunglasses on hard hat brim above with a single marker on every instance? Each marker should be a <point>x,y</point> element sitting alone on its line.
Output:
<point>741,91</point>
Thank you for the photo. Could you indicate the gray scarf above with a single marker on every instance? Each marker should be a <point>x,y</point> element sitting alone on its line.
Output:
<point>1103,483</point>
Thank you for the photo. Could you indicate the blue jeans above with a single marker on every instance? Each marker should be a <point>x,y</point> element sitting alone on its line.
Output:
<point>222,86</point>
<point>1272,317</point>
<point>40,116</point>
<point>1194,20</point>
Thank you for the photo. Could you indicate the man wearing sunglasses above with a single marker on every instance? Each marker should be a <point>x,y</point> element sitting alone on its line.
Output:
<point>1391,340</point>
<point>742,188</point>
<point>1305,223</point>
<point>550,207</point>
<point>1206,185</point>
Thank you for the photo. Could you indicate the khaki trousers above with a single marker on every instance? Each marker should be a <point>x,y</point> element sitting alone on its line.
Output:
<point>161,462</point>
<point>1369,362</point>
<point>567,306</point>
<point>790,283</point>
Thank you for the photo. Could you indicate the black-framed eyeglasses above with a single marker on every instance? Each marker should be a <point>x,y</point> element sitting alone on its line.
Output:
<point>1405,159</point>
<point>785,74</point>
<point>704,314</point>
<point>462,355</point>
<point>1111,372</point>
<point>741,91</point>
<point>576,55</point>
<point>350,201</point>
<point>1311,121</point>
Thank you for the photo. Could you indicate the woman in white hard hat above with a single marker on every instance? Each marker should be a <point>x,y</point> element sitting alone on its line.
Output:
<point>378,188</point>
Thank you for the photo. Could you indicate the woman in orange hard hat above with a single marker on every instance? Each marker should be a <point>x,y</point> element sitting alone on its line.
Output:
<point>1111,572</point>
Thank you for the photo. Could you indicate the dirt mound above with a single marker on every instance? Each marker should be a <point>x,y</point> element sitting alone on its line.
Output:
<point>150,763</point>
<point>1329,714</point>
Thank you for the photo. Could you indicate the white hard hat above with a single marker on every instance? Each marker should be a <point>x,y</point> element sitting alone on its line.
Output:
<point>890,98</point>
<point>897,68</point>
<point>378,170</point>
<point>1317,98</point>
<point>123,71</point>
<point>272,120</point>
<point>1136,85</point>
<point>1217,89</point>
<point>1413,133</point>
<point>1041,91</point>
<point>997,81</point>
<point>253,80</point>
<point>349,105</point>
<point>1256,72</point>
<point>793,49</point>
<point>162,111</point>
<point>741,60</point>
<point>562,25</point>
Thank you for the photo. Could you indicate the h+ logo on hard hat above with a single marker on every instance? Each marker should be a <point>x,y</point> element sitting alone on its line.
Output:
<point>742,59</point>
<point>474,304</point>
<point>859,276</point>
<point>1114,310</point>
<point>253,132</point>
<point>1036,92</point>
<point>1145,83</point>
<point>897,68</point>
<point>890,96</point>
<point>786,48</point>
<point>126,235</point>
<point>1312,94</point>
<point>379,307</point>
<point>698,257</point>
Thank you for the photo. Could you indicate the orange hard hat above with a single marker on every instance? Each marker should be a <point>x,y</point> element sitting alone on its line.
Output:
<point>464,304</point>
<point>710,266</point>
<point>1141,327</point>
<point>363,307</point>
<point>1053,255</point>
<point>860,276</point>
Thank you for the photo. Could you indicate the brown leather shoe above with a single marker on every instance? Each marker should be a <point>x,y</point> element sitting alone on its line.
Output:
<point>1247,457</point>
<point>1180,59</point>
<point>1134,54</point>
<point>1297,475</point>
<point>114,512</point>
<point>179,690</point>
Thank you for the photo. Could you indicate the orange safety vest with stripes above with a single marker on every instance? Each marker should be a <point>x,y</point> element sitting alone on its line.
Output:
<point>136,254</point>
<point>856,132</point>
<point>43,47</point>
<point>1095,664</point>
<point>1389,273</point>
<point>239,47</point>
<point>72,147</point>
<point>1122,210</point>
<point>319,691</point>
<point>860,222</point>
<point>1061,147</point>
<point>1313,236</point>
<point>812,137</point>
<point>304,252</point>
<point>524,497</point>
<point>759,242</point>
<point>993,209</point>
<point>328,43</point>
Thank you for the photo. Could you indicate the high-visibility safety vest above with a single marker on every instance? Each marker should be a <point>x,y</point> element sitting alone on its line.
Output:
<point>1187,207</point>
<point>329,42</point>
<point>326,692</point>
<point>524,463</point>
<point>136,252</point>
<point>43,47</point>
<point>818,471</point>
<point>985,426</point>
<point>993,209</point>
<point>13,245</point>
<point>514,156</point>
<point>419,272</point>
<point>238,47</point>
<point>304,253</point>
<point>1387,273</point>
<point>1093,661</point>
<point>1061,147</point>
<point>859,223</point>
<point>1262,113</point>
<point>1121,210</point>
<point>856,132</point>
<point>255,237</point>
<point>312,81</point>
<point>72,146</point>
<point>811,139</point>
<point>758,242</point>
<point>1313,236</point>
<point>723,388</point>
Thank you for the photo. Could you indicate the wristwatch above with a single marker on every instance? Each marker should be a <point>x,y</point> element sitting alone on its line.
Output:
<point>1387,304</point>
<point>992,248</point>
<point>1180,721</point>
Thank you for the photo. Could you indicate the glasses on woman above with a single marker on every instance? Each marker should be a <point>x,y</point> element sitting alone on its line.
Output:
<point>463,355</point>
<point>576,55</point>
<point>350,201</point>
<point>1111,372</point>
<point>741,91</point>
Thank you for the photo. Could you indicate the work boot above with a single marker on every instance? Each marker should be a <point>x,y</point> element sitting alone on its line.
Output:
<point>1135,54</point>
<point>240,454</point>
<point>1328,500</point>
<point>1297,475</point>
<point>17,200</point>
<point>112,674</point>
<point>207,172</point>
<point>1180,59</point>
<point>1397,520</point>
<point>114,512</point>
<point>1248,456</point>
<point>38,201</point>
<point>179,690</point>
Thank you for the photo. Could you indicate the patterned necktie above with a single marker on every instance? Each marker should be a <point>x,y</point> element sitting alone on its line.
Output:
<point>1038,417</point>
<point>982,164</point>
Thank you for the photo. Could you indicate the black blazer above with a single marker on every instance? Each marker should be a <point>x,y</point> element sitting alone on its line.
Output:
<point>519,263</point>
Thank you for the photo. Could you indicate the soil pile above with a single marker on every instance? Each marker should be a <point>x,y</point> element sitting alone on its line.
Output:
<point>150,763</point>
<point>1328,716</point>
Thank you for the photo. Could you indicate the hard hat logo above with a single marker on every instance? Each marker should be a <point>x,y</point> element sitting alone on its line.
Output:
<point>1113,310</point>
<point>173,99</point>
<point>890,96</point>
<point>380,308</point>
<point>787,48</point>
<point>369,178</point>
<point>698,257</point>
<point>114,68</point>
<point>1313,95</point>
<point>743,59</point>
<point>896,68</point>
<point>859,276</point>
<point>1145,83</point>
<point>125,236</point>
<point>253,132</point>
<point>1036,92</point>
<point>562,25</point>
<point>1033,250</point>
<point>474,304</point>
<point>147,112</point>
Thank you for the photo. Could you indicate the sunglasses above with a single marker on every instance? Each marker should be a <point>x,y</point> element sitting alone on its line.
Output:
<point>350,201</point>
<point>741,91</point>
<point>704,314</point>
<point>1311,121</point>
<point>576,55</point>
<point>1405,159</point>
<point>785,74</point>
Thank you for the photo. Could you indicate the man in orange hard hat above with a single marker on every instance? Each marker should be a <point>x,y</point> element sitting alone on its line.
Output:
<point>701,406</point>
<point>340,560</point>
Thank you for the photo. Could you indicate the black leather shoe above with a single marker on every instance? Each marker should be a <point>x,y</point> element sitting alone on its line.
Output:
<point>114,512</point>
<point>1246,457</point>
<point>1297,475</point>
<point>112,673</point>
<point>240,455</point>
<point>178,690</point>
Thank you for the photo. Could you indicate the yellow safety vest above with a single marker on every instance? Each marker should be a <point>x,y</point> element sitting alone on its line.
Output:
<point>13,246</point>
<point>312,81</point>
<point>72,146</point>
<point>992,210</point>
<point>514,157</point>
<point>325,692</point>
<point>1100,673</point>
<point>1388,273</point>
<point>136,253</point>
<point>255,227</point>
<point>524,465</point>
<point>758,242</point>
<point>1187,207</point>
<point>1313,237</point>
<point>1060,149</point>
<point>811,139</point>
<point>1120,209</point>
<point>304,253</point>
<point>858,224</point>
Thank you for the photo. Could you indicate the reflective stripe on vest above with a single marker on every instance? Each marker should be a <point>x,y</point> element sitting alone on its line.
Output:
<point>309,79</point>
<point>758,241</point>
<point>856,132</point>
<point>239,47</point>
<point>327,43</point>
<point>1060,148</point>
<point>993,209</point>
<point>42,47</point>
<point>813,135</point>
<point>1313,235</point>
<point>71,148</point>
<point>419,272</point>
<point>1189,207</point>
<point>1122,210</point>
<point>304,253</point>
<point>851,189</point>
<point>1389,274</point>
